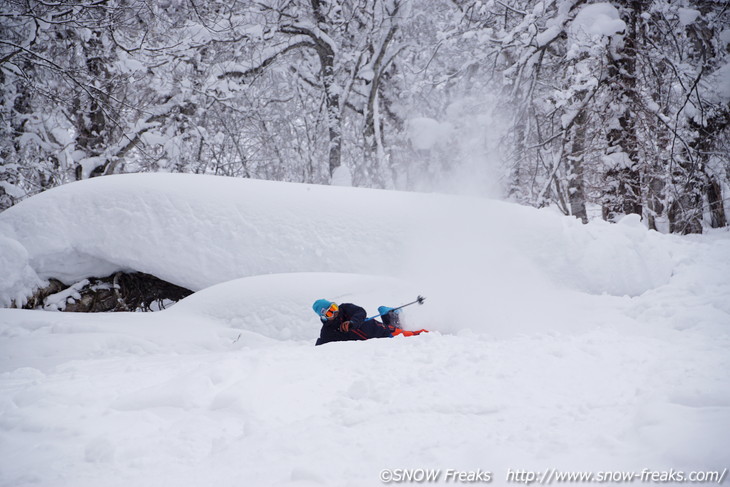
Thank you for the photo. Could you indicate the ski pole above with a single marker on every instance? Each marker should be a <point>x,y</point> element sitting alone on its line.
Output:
<point>419,300</point>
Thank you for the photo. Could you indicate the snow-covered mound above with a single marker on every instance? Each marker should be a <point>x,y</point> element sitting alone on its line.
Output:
<point>194,231</point>
<point>197,231</point>
<point>227,386</point>
<point>554,345</point>
<point>279,305</point>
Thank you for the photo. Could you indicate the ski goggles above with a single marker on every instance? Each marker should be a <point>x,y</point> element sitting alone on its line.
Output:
<point>329,312</point>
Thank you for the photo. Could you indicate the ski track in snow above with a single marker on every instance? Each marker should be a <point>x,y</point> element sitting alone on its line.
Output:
<point>540,357</point>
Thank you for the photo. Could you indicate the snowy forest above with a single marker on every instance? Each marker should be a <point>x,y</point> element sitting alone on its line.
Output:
<point>538,170</point>
<point>598,109</point>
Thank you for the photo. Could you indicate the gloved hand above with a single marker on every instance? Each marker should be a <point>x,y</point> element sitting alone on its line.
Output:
<point>345,326</point>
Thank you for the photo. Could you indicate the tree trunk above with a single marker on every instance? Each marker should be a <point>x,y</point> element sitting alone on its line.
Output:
<point>685,214</point>
<point>91,121</point>
<point>331,93</point>
<point>576,185</point>
<point>624,195</point>
<point>332,105</point>
<point>695,183</point>
<point>713,191</point>
<point>655,191</point>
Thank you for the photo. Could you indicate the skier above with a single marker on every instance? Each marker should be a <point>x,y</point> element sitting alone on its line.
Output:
<point>349,321</point>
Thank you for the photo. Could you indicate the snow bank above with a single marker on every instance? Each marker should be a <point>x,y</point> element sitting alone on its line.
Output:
<point>197,231</point>
<point>279,305</point>
<point>17,277</point>
<point>556,345</point>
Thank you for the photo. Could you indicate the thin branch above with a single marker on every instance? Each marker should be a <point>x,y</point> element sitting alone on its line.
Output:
<point>257,69</point>
<point>520,12</point>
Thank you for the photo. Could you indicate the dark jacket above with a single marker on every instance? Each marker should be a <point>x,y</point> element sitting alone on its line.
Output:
<point>360,327</point>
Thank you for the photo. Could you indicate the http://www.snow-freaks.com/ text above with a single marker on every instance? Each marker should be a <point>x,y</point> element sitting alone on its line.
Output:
<point>549,476</point>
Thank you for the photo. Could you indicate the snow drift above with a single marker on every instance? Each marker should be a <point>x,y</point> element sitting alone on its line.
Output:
<point>197,231</point>
<point>554,344</point>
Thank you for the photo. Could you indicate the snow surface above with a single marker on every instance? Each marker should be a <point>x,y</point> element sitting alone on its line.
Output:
<point>554,344</point>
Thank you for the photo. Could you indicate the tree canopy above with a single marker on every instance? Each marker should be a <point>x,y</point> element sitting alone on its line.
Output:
<point>596,108</point>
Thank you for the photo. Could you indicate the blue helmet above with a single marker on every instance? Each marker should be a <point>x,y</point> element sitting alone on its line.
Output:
<point>384,310</point>
<point>390,316</point>
<point>320,306</point>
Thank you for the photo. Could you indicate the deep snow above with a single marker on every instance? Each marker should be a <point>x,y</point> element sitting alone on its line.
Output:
<point>554,344</point>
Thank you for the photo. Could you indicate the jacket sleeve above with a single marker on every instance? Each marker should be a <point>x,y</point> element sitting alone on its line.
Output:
<point>353,313</point>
